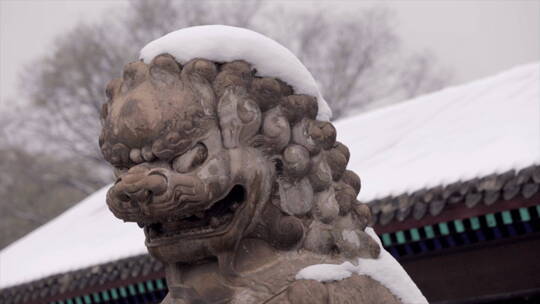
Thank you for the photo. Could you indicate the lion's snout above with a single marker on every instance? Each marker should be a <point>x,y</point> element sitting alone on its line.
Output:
<point>139,185</point>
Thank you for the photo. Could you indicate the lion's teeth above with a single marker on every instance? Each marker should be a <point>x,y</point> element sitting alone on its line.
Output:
<point>214,222</point>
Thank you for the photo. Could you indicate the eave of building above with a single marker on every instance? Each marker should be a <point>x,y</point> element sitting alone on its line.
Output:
<point>493,193</point>
<point>122,278</point>
<point>138,272</point>
<point>476,134</point>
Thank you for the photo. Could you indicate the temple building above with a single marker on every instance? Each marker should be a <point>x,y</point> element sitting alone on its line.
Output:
<point>452,179</point>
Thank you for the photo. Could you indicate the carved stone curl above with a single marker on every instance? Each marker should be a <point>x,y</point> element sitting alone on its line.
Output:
<point>237,186</point>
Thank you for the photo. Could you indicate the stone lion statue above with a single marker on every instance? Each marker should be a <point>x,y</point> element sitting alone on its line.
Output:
<point>235,183</point>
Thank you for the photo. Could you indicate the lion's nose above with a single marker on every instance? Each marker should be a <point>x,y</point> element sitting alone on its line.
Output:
<point>142,196</point>
<point>140,186</point>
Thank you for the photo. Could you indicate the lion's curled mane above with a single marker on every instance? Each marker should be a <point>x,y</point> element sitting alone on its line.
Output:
<point>314,195</point>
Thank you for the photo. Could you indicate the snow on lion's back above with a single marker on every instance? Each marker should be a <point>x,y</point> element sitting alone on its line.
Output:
<point>227,43</point>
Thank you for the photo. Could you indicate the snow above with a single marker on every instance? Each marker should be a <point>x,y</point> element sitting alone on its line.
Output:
<point>227,43</point>
<point>385,269</point>
<point>86,234</point>
<point>326,272</point>
<point>488,126</point>
<point>460,133</point>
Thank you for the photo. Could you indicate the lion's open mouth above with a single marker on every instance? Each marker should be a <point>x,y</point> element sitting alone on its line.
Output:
<point>213,220</point>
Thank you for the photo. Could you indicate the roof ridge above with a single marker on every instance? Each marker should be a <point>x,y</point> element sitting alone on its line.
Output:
<point>82,281</point>
<point>487,189</point>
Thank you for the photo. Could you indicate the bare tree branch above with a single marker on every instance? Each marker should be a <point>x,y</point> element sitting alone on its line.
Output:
<point>52,145</point>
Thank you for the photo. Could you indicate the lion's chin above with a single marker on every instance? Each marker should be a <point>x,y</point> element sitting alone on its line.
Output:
<point>180,239</point>
<point>190,251</point>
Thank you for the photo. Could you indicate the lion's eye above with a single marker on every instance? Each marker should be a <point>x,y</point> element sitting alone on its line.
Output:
<point>191,159</point>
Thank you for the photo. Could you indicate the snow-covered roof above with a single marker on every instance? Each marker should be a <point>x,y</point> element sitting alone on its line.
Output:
<point>484,127</point>
<point>227,43</point>
<point>84,235</point>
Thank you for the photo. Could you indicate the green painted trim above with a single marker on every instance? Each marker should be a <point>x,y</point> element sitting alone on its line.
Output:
<point>458,224</point>
<point>429,232</point>
<point>387,241</point>
<point>123,292</point>
<point>415,235</point>
<point>490,219</point>
<point>149,286</point>
<point>475,223</point>
<point>96,298</point>
<point>506,217</point>
<point>443,228</point>
<point>114,294</point>
<point>400,236</point>
<point>524,214</point>
<point>69,301</point>
<point>87,299</point>
<point>132,290</point>
<point>78,300</point>
<point>140,287</point>
<point>159,284</point>
<point>105,295</point>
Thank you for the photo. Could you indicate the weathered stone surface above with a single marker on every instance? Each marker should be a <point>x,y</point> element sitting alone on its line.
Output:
<point>236,184</point>
<point>326,206</point>
<point>297,197</point>
<point>366,291</point>
<point>319,238</point>
<point>307,292</point>
<point>296,160</point>
<point>369,248</point>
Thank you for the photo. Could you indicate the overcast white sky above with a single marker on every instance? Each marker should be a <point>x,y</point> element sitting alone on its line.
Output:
<point>473,38</point>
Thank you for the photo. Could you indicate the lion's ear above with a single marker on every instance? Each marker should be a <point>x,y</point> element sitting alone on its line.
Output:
<point>239,117</point>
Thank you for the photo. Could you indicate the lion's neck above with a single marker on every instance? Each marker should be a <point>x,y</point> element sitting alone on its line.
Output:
<point>261,272</point>
<point>195,284</point>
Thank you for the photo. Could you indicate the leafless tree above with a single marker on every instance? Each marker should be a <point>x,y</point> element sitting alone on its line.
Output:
<point>357,61</point>
<point>66,87</point>
<point>422,75</point>
<point>351,58</point>
<point>34,188</point>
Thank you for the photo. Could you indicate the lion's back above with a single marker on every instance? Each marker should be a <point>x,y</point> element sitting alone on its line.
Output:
<point>357,289</point>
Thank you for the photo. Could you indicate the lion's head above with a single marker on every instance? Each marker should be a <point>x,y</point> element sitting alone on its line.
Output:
<point>208,153</point>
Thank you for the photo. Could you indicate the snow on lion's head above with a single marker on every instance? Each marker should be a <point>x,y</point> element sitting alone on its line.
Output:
<point>208,152</point>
